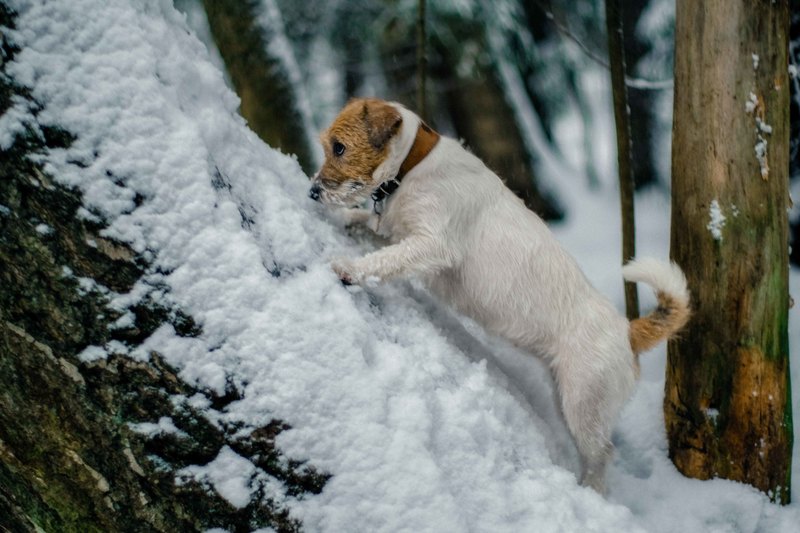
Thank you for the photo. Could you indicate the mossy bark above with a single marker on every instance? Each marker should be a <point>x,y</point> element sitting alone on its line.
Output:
<point>68,458</point>
<point>728,397</point>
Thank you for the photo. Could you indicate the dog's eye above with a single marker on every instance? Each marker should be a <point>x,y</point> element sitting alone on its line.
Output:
<point>338,148</point>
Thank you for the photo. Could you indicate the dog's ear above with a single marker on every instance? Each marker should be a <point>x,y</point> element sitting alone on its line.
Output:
<point>382,122</point>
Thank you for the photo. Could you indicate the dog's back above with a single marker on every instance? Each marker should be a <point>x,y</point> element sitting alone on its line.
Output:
<point>508,271</point>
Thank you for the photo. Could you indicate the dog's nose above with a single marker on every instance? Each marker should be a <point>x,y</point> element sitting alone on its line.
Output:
<point>314,192</point>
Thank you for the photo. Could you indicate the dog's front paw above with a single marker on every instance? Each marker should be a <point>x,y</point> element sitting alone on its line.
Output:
<point>344,269</point>
<point>355,216</point>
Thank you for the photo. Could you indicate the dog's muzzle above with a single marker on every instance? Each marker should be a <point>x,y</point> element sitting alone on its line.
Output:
<point>314,192</point>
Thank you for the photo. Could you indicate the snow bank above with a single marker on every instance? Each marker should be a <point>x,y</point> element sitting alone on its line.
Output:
<point>425,422</point>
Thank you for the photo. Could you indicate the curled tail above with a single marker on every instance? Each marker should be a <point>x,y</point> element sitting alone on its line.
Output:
<point>673,309</point>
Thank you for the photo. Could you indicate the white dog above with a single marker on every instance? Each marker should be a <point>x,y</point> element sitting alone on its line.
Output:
<point>453,223</point>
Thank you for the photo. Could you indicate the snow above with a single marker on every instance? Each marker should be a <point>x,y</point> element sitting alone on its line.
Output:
<point>716,220</point>
<point>752,103</point>
<point>165,425</point>
<point>762,126</point>
<point>92,353</point>
<point>760,149</point>
<point>424,421</point>
<point>229,474</point>
<point>43,229</point>
<point>15,121</point>
<point>751,106</point>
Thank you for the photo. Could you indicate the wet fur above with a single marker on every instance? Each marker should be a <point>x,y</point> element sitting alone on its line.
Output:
<point>455,225</point>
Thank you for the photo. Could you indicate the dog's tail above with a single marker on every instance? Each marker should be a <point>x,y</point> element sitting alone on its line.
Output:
<point>673,309</point>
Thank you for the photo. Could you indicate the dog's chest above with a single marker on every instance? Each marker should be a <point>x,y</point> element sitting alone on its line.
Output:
<point>393,220</point>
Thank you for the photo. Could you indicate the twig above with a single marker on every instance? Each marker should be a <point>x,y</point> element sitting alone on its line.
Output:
<point>421,60</point>
<point>634,83</point>
<point>616,53</point>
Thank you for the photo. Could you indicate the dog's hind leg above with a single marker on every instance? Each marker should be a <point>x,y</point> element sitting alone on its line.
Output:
<point>596,453</point>
<point>592,437</point>
<point>591,398</point>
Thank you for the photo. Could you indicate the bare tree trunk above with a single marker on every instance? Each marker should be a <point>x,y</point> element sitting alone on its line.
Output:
<point>261,81</point>
<point>728,399</point>
<point>422,61</point>
<point>616,56</point>
<point>641,102</point>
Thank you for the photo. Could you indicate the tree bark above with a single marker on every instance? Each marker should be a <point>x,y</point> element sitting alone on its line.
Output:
<point>728,399</point>
<point>69,459</point>
<point>616,57</point>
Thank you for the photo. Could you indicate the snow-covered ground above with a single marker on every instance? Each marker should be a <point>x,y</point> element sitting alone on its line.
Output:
<point>425,423</point>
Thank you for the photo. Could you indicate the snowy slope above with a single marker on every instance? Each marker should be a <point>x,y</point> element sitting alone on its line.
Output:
<point>425,423</point>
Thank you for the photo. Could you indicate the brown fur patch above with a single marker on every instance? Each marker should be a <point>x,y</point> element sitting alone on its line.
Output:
<point>364,127</point>
<point>669,317</point>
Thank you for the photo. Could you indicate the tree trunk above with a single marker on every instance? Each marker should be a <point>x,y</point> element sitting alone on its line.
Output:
<point>728,401</point>
<point>616,58</point>
<point>422,60</point>
<point>640,101</point>
<point>262,82</point>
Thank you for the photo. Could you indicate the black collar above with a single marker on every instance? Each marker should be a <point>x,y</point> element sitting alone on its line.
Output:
<point>424,142</point>
<point>385,190</point>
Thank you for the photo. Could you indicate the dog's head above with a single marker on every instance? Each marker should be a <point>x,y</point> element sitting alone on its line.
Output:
<point>357,145</point>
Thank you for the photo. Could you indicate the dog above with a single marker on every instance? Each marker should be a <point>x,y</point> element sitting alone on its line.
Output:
<point>453,223</point>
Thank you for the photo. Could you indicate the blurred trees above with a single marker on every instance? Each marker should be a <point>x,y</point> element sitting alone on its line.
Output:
<point>259,62</point>
<point>728,399</point>
<point>794,154</point>
<point>502,75</point>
